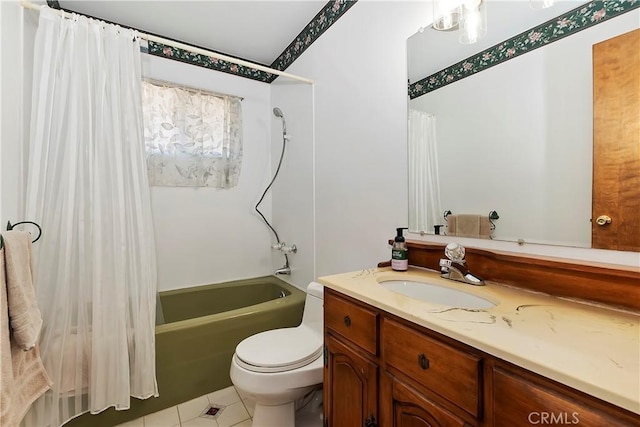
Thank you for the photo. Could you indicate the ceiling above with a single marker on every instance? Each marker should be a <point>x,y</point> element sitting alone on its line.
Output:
<point>257,30</point>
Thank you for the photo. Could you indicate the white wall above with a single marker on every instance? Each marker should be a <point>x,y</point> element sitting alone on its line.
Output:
<point>2,61</point>
<point>206,235</point>
<point>359,68</point>
<point>11,146</point>
<point>17,32</point>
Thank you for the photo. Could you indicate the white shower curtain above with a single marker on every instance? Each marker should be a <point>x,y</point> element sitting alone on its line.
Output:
<point>425,208</point>
<point>88,189</point>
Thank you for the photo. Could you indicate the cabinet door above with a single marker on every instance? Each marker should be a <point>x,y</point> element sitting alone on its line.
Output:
<point>520,399</point>
<point>403,406</point>
<point>351,387</point>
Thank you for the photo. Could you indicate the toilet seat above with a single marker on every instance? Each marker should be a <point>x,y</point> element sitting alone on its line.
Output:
<point>279,350</point>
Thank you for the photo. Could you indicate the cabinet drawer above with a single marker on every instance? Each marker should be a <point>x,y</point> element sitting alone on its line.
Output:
<point>446,371</point>
<point>356,323</point>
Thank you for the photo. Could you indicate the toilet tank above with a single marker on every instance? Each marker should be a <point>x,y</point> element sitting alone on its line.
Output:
<point>313,307</point>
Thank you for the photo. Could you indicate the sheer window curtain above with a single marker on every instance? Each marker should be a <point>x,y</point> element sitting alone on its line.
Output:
<point>193,138</point>
<point>425,207</point>
<point>88,188</point>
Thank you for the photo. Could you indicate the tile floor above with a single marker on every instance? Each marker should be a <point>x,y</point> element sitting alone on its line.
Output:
<point>237,412</point>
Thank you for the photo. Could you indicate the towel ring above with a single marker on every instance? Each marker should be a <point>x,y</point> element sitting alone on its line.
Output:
<point>11,226</point>
<point>493,215</point>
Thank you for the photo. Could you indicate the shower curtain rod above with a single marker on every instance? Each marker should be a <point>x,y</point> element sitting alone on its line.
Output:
<point>149,37</point>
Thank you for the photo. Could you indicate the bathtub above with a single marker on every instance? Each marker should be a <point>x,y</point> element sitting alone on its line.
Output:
<point>198,330</point>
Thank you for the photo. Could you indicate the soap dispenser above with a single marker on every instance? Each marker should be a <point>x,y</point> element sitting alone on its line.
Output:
<point>399,252</point>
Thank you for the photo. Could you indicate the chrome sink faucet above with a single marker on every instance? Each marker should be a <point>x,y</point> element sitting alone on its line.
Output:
<point>455,268</point>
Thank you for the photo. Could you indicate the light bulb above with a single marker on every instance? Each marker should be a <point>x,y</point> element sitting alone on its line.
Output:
<point>541,4</point>
<point>474,21</point>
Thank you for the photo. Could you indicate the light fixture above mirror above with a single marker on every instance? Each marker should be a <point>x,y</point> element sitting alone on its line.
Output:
<point>470,16</point>
<point>446,15</point>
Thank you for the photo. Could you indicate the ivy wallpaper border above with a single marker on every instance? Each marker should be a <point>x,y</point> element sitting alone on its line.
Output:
<point>325,18</point>
<point>580,18</point>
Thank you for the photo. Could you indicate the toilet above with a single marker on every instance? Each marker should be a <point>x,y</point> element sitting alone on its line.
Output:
<point>280,366</point>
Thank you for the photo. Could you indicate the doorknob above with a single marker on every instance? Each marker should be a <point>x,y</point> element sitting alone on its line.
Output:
<point>603,219</point>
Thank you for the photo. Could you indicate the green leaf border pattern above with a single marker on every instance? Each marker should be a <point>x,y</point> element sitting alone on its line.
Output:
<point>324,19</point>
<point>177,54</point>
<point>578,19</point>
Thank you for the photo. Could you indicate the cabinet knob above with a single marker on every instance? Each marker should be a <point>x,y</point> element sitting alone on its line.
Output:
<point>423,361</point>
<point>370,421</point>
<point>347,321</point>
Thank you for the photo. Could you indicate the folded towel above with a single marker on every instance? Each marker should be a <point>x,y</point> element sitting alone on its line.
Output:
<point>22,376</point>
<point>477,226</point>
<point>24,314</point>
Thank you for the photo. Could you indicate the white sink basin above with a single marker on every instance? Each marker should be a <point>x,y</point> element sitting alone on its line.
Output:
<point>437,294</point>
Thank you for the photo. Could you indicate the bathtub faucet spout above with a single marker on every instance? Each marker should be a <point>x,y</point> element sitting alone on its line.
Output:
<point>284,270</point>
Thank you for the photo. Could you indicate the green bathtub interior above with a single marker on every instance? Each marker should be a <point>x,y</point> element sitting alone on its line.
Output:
<point>202,327</point>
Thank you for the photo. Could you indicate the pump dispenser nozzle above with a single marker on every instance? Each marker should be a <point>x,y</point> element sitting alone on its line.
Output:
<point>399,236</point>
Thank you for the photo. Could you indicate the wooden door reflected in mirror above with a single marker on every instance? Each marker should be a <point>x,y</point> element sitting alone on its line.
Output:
<point>616,143</point>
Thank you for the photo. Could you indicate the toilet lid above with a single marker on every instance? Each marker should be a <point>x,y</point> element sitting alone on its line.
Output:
<point>279,350</point>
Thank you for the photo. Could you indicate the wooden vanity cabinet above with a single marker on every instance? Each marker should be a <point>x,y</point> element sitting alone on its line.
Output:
<point>366,386</point>
<point>523,398</point>
<point>351,370</point>
<point>382,371</point>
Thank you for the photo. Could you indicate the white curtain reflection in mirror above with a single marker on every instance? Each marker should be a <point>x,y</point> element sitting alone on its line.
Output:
<point>425,208</point>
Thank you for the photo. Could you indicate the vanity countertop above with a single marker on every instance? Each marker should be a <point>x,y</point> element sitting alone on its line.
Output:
<point>591,348</point>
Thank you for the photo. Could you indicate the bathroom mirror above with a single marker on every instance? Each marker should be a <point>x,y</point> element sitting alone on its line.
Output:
<point>515,138</point>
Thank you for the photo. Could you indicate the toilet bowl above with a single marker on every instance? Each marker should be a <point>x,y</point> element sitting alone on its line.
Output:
<point>280,366</point>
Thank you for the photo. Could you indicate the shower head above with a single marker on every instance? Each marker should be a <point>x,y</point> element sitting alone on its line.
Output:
<point>278,113</point>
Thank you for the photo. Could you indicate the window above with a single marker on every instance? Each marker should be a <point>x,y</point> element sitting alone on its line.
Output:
<point>193,138</point>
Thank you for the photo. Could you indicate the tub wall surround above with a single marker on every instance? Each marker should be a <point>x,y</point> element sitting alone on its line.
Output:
<point>292,195</point>
<point>205,223</point>
<point>565,25</point>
